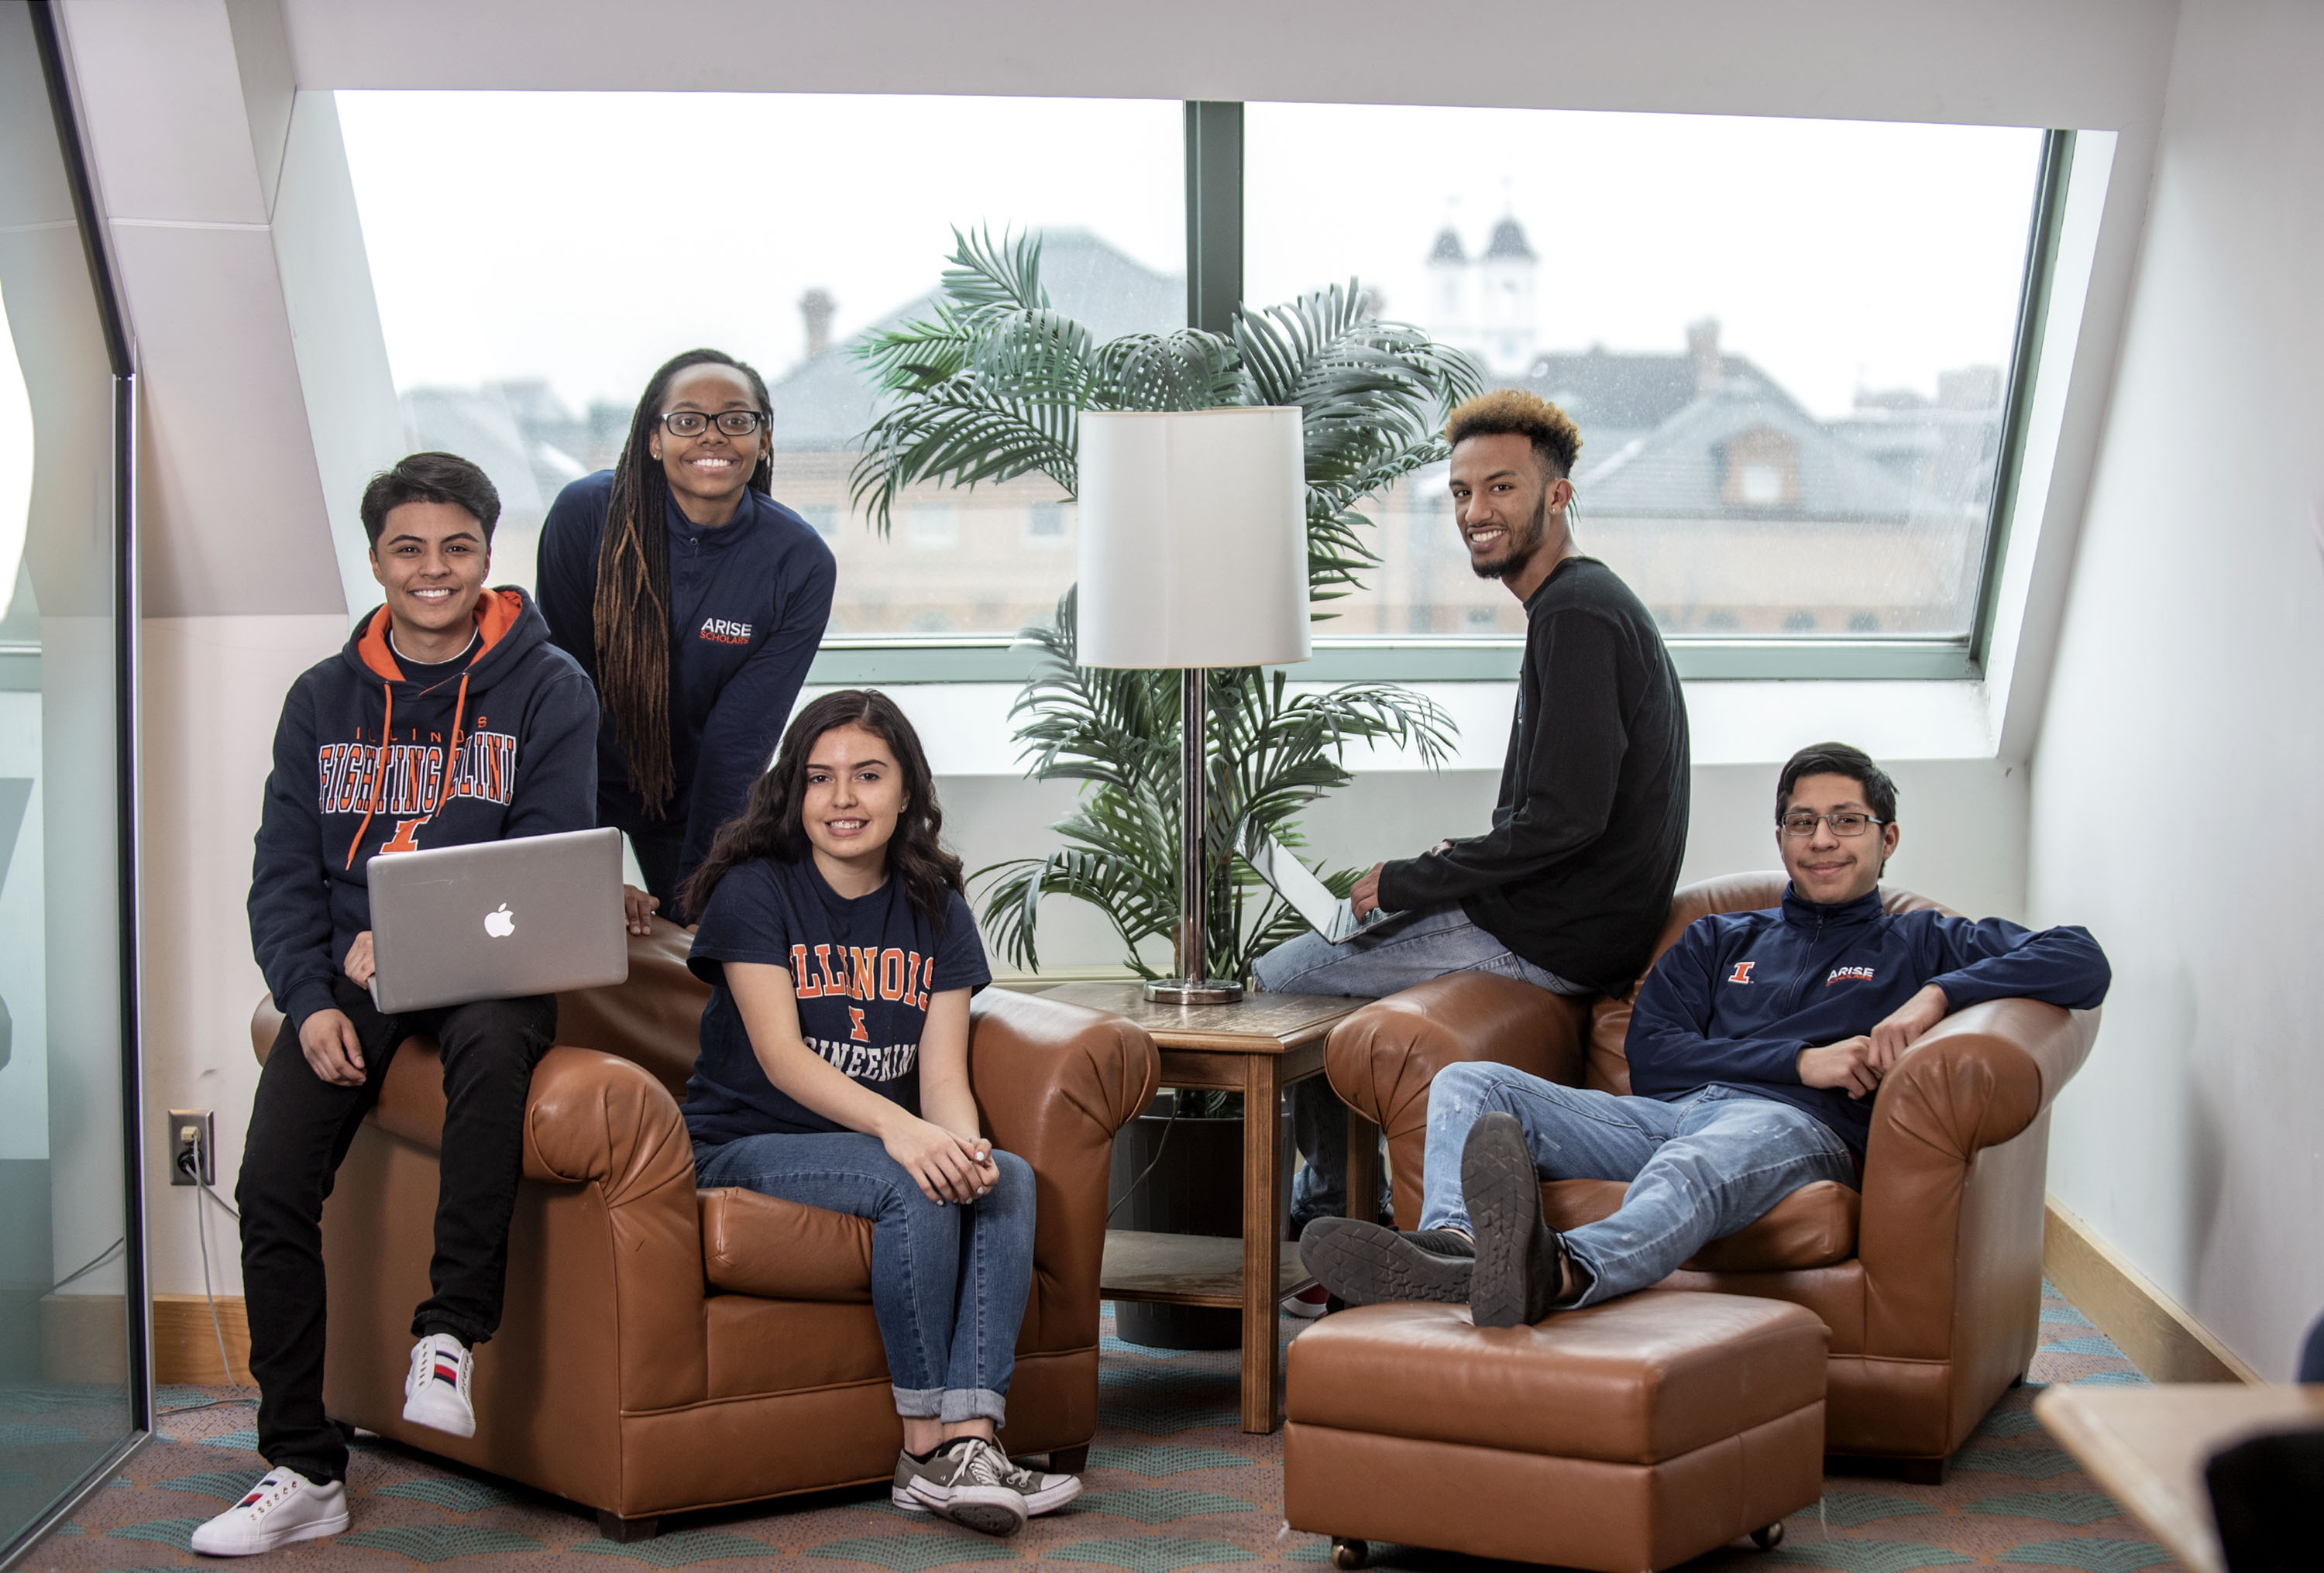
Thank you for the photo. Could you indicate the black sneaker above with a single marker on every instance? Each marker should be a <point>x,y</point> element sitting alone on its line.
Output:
<point>1364,1264</point>
<point>1520,1261</point>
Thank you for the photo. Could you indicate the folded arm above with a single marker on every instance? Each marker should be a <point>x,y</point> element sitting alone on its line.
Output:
<point>948,1166</point>
<point>1670,1047</point>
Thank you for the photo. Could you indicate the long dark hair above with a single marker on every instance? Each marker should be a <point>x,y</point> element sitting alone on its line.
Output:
<point>773,821</point>
<point>631,614</point>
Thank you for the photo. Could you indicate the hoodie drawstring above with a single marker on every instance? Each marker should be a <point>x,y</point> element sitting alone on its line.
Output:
<point>443,787</point>
<point>379,776</point>
<point>452,755</point>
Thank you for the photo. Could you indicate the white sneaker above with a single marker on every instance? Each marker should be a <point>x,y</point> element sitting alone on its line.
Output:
<point>285,1506</point>
<point>436,1392</point>
<point>968,1486</point>
<point>1042,1492</point>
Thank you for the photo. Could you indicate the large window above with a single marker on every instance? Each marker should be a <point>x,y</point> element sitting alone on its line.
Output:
<point>1787,344</point>
<point>1791,346</point>
<point>535,255</point>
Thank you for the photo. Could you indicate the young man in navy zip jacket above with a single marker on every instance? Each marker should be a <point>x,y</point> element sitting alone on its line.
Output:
<point>1755,1045</point>
<point>448,720</point>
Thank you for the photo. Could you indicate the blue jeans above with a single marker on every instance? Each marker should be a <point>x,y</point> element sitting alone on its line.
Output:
<point>1390,956</point>
<point>949,1284</point>
<point>1698,1169</point>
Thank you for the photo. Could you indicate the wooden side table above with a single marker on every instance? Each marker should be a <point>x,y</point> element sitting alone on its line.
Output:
<point>1256,1047</point>
<point>2147,1448</point>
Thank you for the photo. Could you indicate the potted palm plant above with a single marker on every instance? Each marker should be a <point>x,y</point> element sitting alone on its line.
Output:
<point>990,385</point>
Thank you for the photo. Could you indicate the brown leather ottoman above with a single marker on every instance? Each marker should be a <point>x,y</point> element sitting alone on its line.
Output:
<point>1632,1435</point>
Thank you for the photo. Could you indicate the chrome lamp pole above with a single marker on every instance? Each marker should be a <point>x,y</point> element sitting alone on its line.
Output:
<point>1194,855</point>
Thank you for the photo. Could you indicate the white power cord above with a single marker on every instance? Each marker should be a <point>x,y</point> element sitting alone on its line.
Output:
<point>188,1165</point>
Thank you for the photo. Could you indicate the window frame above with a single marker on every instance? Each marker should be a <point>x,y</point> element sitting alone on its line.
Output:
<point>1214,272</point>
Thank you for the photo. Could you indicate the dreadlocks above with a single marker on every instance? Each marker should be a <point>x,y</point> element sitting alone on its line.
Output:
<point>631,614</point>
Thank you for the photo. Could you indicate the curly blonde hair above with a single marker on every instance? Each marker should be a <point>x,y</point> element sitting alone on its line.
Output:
<point>1511,411</point>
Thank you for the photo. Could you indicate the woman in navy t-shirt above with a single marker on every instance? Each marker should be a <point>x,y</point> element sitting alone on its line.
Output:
<point>833,1073</point>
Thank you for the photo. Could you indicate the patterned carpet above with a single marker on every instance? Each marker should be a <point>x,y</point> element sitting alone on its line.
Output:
<point>1172,1485</point>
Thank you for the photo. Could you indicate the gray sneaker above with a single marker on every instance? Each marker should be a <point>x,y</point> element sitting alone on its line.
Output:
<point>967,1482</point>
<point>1042,1492</point>
<point>1366,1265</point>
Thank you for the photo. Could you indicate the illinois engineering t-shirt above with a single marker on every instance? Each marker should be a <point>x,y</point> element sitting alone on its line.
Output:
<point>864,972</point>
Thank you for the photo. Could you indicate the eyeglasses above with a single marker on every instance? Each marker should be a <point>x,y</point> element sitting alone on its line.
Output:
<point>694,423</point>
<point>1800,826</point>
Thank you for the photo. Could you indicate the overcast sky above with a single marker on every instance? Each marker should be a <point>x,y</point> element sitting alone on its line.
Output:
<point>585,237</point>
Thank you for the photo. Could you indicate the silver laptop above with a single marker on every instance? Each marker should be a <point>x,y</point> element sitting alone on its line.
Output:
<point>1328,915</point>
<point>498,920</point>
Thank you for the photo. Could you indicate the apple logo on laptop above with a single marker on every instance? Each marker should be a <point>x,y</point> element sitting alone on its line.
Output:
<point>502,924</point>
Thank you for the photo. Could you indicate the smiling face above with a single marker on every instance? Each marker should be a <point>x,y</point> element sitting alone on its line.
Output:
<point>1506,510</point>
<point>707,473</point>
<point>1828,867</point>
<point>855,796</point>
<point>431,558</point>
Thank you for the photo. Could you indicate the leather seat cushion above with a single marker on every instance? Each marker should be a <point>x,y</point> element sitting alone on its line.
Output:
<point>1813,1226</point>
<point>780,1250</point>
<point>1634,1381</point>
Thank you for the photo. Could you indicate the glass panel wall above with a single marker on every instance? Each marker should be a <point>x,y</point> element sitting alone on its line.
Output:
<point>1786,344</point>
<point>72,1387</point>
<point>779,227</point>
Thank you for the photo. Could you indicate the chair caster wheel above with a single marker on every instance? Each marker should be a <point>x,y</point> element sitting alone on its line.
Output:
<point>1348,1555</point>
<point>1768,1538</point>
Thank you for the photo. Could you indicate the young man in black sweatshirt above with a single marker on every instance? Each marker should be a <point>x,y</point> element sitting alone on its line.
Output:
<point>448,720</point>
<point>1571,886</point>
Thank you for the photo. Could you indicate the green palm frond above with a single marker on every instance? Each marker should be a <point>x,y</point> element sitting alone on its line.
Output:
<point>989,385</point>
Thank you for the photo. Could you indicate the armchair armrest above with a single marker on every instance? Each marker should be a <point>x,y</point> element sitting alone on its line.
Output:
<point>1953,1200</point>
<point>1053,1083</point>
<point>1381,1058</point>
<point>1977,1078</point>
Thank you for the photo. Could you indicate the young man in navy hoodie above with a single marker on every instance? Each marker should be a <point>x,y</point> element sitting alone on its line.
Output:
<point>448,720</point>
<point>1755,1045</point>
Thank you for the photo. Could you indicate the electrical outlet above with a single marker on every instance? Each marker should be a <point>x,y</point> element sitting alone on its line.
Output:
<point>193,1146</point>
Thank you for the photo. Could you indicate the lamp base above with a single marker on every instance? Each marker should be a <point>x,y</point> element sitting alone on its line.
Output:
<point>1194,991</point>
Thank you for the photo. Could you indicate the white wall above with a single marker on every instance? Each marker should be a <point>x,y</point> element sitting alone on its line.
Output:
<point>2174,787</point>
<point>213,688</point>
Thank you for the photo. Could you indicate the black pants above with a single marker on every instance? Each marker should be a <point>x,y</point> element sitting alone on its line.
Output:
<point>660,845</point>
<point>301,1126</point>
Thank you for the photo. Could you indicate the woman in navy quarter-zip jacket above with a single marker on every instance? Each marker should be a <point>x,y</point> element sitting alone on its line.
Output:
<point>695,601</point>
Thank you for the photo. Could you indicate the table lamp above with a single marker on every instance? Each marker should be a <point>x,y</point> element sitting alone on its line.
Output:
<point>1193,553</point>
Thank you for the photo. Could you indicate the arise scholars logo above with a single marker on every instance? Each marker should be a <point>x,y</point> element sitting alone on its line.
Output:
<point>718,631</point>
<point>1848,975</point>
<point>502,924</point>
<point>1742,973</point>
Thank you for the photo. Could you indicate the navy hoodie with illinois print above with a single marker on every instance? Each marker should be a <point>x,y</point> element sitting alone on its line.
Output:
<point>370,761</point>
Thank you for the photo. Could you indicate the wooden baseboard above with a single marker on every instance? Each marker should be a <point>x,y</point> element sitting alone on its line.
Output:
<point>2145,1324</point>
<point>186,1346</point>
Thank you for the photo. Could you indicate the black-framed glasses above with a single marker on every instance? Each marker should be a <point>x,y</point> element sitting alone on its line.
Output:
<point>694,423</point>
<point>1800,826</point>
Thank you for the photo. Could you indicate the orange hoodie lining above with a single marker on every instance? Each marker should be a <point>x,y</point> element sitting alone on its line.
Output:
<point>497,613</point>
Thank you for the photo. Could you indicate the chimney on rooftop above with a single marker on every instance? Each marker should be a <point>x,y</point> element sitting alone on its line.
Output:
<point>1702,349</point>
<point>817,308</point>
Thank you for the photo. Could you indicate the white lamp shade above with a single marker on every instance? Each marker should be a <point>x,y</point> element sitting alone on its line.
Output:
<point>1193,538</point>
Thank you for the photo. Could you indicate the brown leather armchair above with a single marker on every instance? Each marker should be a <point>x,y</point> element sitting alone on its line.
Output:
<point>663,1347</point>
<point>1930,1279</point>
